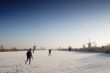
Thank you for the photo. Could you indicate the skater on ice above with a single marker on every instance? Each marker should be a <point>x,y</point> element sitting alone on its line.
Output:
<point>29,56</point>
<point>49,52</point>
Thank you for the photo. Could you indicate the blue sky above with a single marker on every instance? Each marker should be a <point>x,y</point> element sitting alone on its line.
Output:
<point>54,23</point>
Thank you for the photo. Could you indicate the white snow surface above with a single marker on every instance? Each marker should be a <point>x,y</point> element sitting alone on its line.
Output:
<point>58,62</point>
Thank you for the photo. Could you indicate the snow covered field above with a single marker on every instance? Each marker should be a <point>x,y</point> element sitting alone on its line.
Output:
<point>58,62</point>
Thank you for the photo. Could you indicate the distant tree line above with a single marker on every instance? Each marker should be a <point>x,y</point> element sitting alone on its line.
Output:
<point>13,49</point>
<point>67,49</point>
<point>103,49</point>
<point>2,49</point>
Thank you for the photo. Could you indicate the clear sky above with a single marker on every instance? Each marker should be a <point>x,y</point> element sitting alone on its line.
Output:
<point>54,23</point>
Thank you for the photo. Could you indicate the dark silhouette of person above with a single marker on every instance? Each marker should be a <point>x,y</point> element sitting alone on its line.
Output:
<point>29,56</point>
<point>49,52</point>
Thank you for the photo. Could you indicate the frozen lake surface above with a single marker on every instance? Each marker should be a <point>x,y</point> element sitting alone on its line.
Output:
<point>58,62</point>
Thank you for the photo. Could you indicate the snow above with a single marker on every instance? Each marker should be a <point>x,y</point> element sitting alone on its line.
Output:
<point>58,62</point>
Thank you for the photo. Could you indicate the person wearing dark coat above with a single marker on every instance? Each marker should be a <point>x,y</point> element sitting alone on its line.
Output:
<point>49,52</point>
<point>29,56</point>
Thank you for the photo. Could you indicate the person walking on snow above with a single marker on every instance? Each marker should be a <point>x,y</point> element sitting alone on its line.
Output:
<point>49,52</point>
<point>29,56</point>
